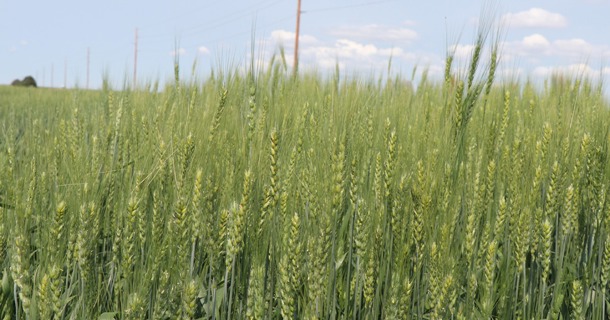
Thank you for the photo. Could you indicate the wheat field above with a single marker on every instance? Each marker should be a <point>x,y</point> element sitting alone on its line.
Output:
<point>268,195</point>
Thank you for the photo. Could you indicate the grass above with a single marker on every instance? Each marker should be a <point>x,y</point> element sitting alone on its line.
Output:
<point>269,195</point>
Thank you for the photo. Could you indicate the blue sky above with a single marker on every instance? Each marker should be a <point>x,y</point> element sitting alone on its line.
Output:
<point>50,39</point>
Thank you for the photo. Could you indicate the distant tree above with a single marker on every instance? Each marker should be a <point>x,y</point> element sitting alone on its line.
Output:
<point>26,82</point>
<point>29,82</point>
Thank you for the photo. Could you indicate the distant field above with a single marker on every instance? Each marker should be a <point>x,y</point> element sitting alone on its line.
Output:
<point>268,196</point>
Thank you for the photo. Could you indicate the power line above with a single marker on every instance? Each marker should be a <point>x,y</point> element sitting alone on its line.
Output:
<point>88,53</point>
<point>220,24</point>
<point>234,35</point>
<point>349,6</point>
<point>232,17</point>
<point>180,15</point>
<point>214,41</point>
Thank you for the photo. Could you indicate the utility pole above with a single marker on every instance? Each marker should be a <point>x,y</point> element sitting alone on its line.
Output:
<point>135,60</point>
<point>296,39</point>
<point>65,73</point>
<point>88,51</point>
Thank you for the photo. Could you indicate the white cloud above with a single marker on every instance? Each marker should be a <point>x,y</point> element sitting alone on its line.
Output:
<point>535,17</point>
<point>435,70</point>
<point>536,42</point>
<point>462,51</point>
<point>574,47</point>
<point>203,50</point>
<point>577,69</point>
<point>510,73</point>
<point>377,32</point>
<point>15,47</point>
<point>179,52</point>
<point>542,71</point>
<point>282,35</point>
<point>347,53</point>
<point>287,38</point>
<point>536,45</point>
<point>349,50</point>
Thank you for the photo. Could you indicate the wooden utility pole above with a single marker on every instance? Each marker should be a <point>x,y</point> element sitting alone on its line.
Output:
<point>296,39</point>
<point>65,73</point>
<point>88,51</point>
<point>135,60</point>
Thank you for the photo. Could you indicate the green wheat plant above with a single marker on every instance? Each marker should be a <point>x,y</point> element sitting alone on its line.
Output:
<point>272,195</point>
